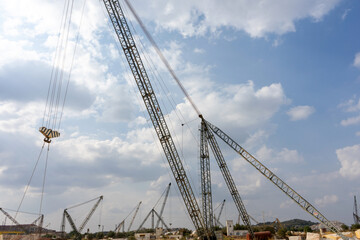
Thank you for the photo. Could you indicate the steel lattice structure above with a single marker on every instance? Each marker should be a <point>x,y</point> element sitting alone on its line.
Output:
<point>228,178</point>
<point>302,202</point>
<point>141,78</point>
<point>207,208</point>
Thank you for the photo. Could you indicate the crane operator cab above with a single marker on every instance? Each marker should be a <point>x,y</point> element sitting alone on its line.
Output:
<point>48,133</point>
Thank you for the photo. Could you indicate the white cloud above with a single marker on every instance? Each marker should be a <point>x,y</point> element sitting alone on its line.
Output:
<point>300,112</point>
<point>349,158</point>
<point>283,156</point>
<point>356,62</point>
<point>257,18</point>
<point>326,200</point>
<point>199,50</point>
<point>350,121</point>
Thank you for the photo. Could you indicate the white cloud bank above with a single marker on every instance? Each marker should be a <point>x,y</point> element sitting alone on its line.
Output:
<point>257,18</point>
<point>300,112</point>
<point>349,158</point>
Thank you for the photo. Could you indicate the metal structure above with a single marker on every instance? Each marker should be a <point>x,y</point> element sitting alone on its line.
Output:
<point>355,213</point>
<point>120,226</point>
<point>228,178</point>
<point>207,208</point>
<point>163,205</point>
<point>67,216</point>
<point>153,213</point>
<point>9,217</point>
<point>133,218</point>
<point>217,219</point>
<point>302,202</point>
<point>133,58</point>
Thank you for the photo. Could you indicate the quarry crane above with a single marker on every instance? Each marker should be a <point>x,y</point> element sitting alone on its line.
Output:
<point>67,216</point>
<point>355,213</point>
<point>302,202</point>
<point>133,218</point>
<point>207,208</point>
<point>133,58</point>
<point>163,205</point>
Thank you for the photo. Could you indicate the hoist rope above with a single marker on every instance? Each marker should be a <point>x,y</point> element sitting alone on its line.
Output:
<point>80,204</point>
<point>72,63</point>
<point>53,64</point>
<point>52,116</point>
<point>172,103</point>
<point>28,184</point>
<point>162,57</point>
<point>44,179</point>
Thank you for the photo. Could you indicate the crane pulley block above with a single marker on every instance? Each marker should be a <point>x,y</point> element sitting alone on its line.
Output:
<point>48,133</point>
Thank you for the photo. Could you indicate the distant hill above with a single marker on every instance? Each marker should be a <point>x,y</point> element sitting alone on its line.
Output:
<point>293,223</point>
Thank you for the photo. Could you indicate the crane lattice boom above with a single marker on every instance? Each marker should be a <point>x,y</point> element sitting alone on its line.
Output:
<point>141,78</point>
<point>302,202</point>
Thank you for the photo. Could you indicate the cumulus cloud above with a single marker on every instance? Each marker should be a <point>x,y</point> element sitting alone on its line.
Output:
<point>284,156</point>
<point>257,18</point>
<point>349,158</point>
<point>300,112</point>
<point>351,106</point>
<point>326,200</point>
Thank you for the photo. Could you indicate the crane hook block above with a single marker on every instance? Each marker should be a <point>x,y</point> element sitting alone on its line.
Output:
<point>48,133</point>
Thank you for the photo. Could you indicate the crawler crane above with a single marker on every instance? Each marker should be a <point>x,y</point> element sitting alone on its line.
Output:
<point>141,78</point>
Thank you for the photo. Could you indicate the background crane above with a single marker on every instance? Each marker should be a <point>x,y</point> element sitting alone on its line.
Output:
<point>163,205</point>
<point>355,213</point>
<point>141,78</point>
<point>67,216</point>
<point>122,223</point>
<point>217,219</point>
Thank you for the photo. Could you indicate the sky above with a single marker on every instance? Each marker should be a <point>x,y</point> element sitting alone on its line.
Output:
<point>282,78</point>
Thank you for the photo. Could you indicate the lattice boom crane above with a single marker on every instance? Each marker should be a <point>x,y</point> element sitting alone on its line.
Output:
<point>132,55</point>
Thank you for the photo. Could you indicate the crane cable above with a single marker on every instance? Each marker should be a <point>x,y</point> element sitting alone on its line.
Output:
<point>162,57</point>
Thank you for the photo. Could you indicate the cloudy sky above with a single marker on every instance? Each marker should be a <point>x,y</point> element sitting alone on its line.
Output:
<point>280,77</point>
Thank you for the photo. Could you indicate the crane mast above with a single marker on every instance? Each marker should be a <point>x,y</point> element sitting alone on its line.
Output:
<point>132,55</point>
<point>302,202</point>
<point>219,215</point>
<point>90,214</point>
<point>163,205</point>
<point>207,208</point>
<point>133,218</point>
<point>355,213</point>
<point>228,179</point>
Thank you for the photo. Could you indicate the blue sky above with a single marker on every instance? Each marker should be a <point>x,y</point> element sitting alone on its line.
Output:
<point>282,78</point>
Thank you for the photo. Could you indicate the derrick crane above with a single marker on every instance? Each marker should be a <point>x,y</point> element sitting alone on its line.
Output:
<point>228,178</point>
<point>9,216</point>
<point>297,198</point>
<point>207,208</point>
<point>163,205</point>
<point>133,218</point>
<point>121,225</point>
<point>217,219</point>
<point>67,216</point>
<point>132,55</point>
<point>152,213</point>
<point>355,213</point>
